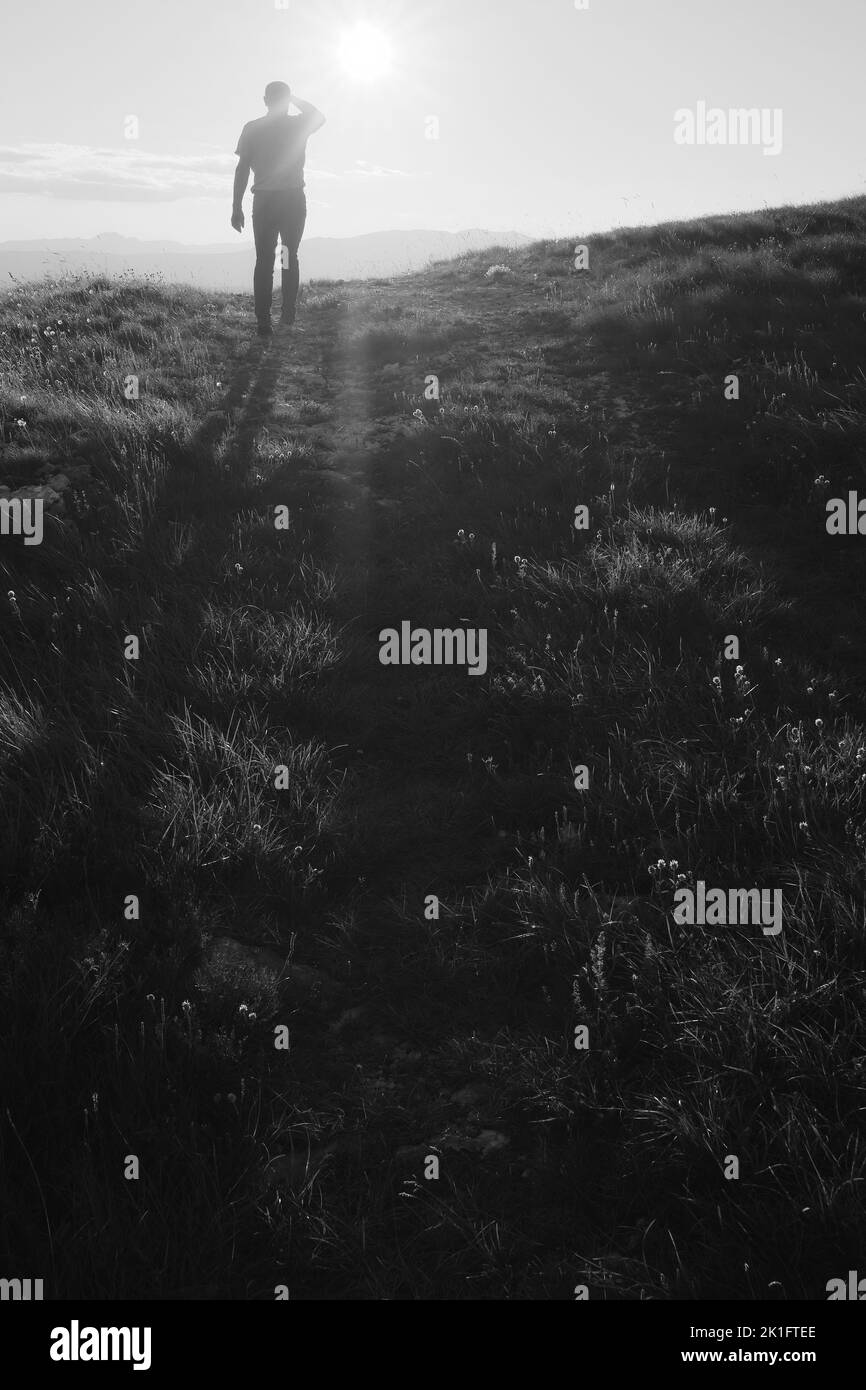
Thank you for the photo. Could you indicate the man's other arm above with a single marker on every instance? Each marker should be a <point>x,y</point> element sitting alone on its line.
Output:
<point>313,118</point>
<point>242,178</point>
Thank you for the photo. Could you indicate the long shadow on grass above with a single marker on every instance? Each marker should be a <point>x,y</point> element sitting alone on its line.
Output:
<point>199,499</point>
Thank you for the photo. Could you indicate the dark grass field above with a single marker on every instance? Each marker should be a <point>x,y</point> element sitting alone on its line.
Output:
<point>170,913</point>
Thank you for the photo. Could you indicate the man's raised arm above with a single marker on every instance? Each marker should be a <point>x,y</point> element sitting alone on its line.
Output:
<point>313,117</point>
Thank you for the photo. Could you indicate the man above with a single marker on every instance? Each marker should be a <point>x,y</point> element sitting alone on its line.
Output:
<point>275,149</point>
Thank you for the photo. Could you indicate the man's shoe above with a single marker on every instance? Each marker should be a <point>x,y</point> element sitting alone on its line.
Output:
<point>287,320</point>
<point>265,330</point>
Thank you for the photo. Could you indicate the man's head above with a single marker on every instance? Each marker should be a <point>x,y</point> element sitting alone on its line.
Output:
<point>278,96</point>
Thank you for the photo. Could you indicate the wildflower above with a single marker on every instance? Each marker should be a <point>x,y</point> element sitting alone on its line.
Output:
<point>597,957</point>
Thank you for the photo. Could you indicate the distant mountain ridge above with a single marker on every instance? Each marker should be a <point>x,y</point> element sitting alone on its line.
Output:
<point>228,266</point>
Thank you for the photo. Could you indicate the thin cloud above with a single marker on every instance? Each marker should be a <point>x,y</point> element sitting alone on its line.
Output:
<point>112,175</point>
<point>124,175</point>
<point>363,169</point>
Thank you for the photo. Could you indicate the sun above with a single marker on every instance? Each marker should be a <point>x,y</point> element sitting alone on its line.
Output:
<point>366,53</point>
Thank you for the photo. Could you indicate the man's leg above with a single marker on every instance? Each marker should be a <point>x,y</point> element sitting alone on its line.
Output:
<point>265,231</point>
<point>292,222</point>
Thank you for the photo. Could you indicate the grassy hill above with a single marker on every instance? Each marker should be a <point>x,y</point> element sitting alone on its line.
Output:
<point>148,1028</point>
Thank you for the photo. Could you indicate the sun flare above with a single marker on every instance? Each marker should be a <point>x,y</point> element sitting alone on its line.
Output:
<point>366,53</point>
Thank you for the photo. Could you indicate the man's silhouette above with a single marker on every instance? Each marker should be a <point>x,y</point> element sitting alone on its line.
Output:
<point>275,148</point>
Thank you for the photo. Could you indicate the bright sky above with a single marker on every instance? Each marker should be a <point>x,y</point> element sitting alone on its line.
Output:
<point>552,120</point>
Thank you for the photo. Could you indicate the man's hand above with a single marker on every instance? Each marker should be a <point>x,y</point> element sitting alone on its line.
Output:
<point>238,220</point>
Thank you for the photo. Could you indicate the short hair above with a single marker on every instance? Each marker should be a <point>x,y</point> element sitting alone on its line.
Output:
<point>276,92</point>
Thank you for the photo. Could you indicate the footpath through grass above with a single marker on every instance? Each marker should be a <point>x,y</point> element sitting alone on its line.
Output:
<point>236,839</point>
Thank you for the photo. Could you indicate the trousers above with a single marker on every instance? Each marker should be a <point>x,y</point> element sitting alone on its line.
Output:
<point>277,216</point>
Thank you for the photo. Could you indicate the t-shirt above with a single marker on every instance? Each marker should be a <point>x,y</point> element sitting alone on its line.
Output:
<point>275,149</point>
